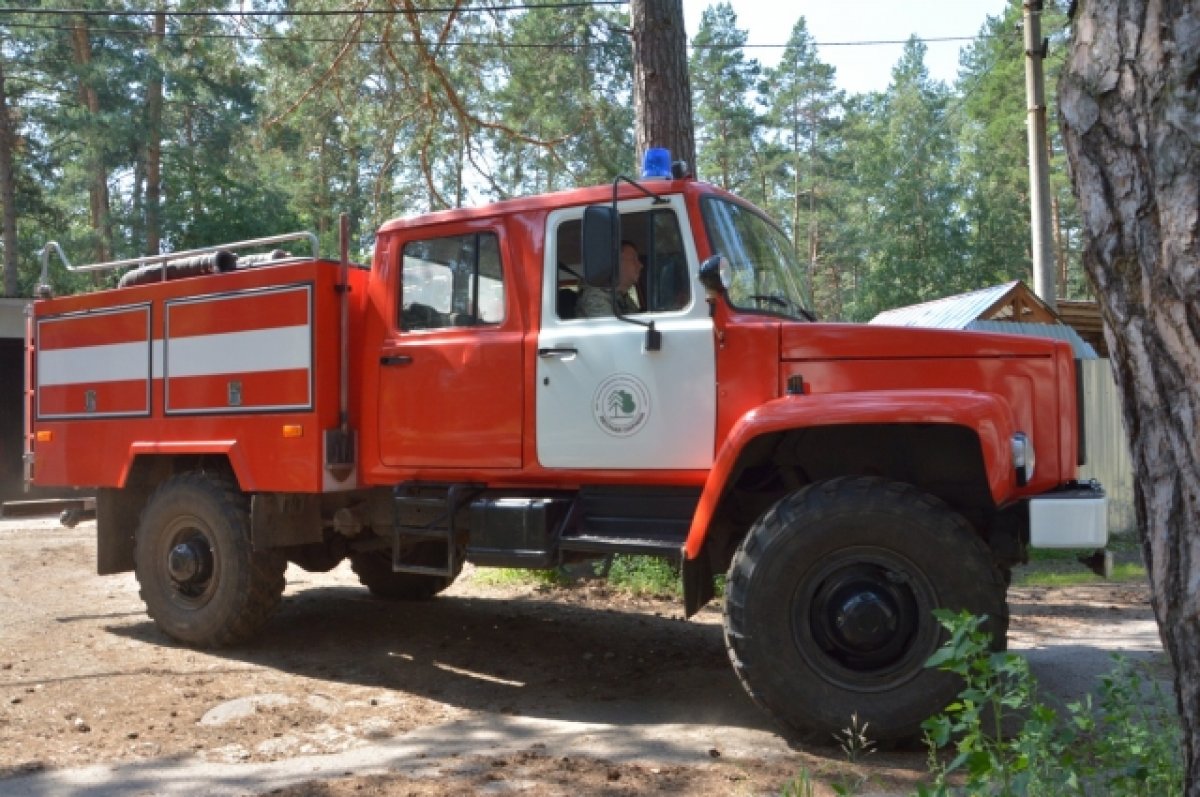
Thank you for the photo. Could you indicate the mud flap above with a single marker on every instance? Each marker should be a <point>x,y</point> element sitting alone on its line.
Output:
<point>698,586</point>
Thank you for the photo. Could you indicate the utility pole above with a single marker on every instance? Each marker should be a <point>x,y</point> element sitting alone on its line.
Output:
<point>1044,282</point>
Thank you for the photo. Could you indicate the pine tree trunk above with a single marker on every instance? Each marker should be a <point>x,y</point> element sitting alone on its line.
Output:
<point>662,93</point>
<point>154,107</point>
<point>98,175</point>
<point>8,192</point>
<point>797,202</point>
<point>1130,114</point>
<point>813,230</point>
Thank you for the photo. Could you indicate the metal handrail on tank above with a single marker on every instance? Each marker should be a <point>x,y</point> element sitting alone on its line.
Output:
<point>150,260</point>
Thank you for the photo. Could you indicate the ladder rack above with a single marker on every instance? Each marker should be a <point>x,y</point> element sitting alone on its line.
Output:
<point>43,288</point>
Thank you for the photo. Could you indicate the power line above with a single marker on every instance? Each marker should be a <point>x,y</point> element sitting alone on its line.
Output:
<point>318,39</point>
<point>861,43</point>
<point>341,12</point>
<point>469,42</point>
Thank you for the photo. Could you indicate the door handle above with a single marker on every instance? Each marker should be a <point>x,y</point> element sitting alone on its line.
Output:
<point>395,359</point>
<point>560,353</point>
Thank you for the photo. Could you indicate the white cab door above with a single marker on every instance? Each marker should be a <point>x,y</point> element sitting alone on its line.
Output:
<point>603,400</point>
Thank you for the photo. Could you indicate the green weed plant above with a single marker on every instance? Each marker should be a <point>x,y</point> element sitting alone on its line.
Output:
<point>1126,744</point>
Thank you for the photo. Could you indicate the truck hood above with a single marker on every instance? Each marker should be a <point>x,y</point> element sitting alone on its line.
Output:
<point>823,342</point>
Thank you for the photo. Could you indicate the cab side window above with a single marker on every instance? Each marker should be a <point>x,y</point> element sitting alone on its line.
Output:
<point>664,284</point>
<point>452,281</point>
<point>668,284</point>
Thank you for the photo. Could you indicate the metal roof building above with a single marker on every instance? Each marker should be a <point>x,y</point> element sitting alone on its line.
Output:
<point>1011,308</point>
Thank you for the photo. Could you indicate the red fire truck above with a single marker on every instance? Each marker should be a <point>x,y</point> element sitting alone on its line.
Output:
<point>449,403</point>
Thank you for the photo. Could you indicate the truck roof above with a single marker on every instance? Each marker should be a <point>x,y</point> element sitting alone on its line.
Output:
<point>589,195</point>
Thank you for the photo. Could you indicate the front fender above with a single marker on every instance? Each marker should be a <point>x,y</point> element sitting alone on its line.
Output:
<point>987,414</point>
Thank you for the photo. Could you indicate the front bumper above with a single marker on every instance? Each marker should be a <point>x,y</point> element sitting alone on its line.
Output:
<point>1076,517</point>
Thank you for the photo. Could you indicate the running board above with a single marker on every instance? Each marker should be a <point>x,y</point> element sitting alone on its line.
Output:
<point>635,546</point>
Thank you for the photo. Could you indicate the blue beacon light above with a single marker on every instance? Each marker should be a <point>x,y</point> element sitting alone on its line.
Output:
<point>656,163</point>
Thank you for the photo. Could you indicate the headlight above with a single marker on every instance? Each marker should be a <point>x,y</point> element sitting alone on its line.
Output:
<point>1024,459</point>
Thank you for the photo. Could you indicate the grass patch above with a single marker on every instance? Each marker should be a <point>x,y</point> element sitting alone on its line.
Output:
<point>1076,574</point>
<point>633,575</point>
<point>1053,555</point>
<point>512,577</point>
<point>645,575</point>
<point>1060,567</point>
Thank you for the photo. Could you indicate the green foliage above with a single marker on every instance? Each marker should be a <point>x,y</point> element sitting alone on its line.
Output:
<point>1129,744</point>
<point>856,744</point>
<point>645,575</point>
<point>282,122</point>
<point>799,786</point>
<point>507,576</point>
<point>854,740</point>
<point>635,575</point>
<point>801,181</point>
<point>994,164</point>
<point>727,125</point>
<point>919,249</point>
<point>274,123</point>
<point>573,98</point>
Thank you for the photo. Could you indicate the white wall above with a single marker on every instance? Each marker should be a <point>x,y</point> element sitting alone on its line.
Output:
<point>12,318</point>
<point>1108,459</point>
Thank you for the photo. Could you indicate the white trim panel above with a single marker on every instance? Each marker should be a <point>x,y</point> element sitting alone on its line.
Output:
<point>87,365</point>
<point>251,351</point>
<point>279,349</point>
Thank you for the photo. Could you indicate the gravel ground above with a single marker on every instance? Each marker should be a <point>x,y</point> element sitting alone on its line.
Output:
<point>486,690</point>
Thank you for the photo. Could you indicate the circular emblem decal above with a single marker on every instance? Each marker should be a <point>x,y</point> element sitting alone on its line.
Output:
<point>621,405</point>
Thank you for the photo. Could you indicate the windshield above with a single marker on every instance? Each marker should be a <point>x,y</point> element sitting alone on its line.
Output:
<point>761,271</point>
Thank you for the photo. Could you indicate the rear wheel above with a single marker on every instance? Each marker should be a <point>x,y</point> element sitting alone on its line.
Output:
<point>374,571</point>
<point>829,606</point>
<point>200,577</point>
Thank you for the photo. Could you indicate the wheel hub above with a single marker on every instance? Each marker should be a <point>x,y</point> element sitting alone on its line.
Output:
<point>190,563</point>
<point>863,616</point>
<point>865,620</point>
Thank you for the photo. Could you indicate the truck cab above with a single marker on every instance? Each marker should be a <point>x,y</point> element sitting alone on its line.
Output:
<point>450,403</point>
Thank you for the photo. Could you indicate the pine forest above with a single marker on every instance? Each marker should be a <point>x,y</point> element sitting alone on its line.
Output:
<point>132,128</point>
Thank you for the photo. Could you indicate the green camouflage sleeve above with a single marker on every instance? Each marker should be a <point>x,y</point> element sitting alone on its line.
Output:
<point>594,303</point>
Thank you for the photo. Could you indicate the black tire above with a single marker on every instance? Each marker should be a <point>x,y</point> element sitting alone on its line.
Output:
<point>200,577</point>
<point>374,571</point>
<point>828,606</point>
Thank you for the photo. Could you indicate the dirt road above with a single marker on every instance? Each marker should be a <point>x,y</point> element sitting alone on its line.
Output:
<point>484,690</point>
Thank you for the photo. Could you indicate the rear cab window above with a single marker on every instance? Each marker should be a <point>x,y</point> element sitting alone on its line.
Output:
<point>451,281</point>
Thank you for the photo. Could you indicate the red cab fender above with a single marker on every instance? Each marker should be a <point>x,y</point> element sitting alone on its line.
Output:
<point>986,413</point>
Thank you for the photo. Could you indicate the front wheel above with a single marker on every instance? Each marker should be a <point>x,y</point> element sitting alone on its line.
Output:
<point>200,577</point>
<point>829,603</point>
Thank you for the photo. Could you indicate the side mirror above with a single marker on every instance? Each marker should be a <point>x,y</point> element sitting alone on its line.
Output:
<point>711,277</point>
<point>601,231</point>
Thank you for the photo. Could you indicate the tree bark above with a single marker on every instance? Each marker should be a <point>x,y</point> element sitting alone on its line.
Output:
<point>8,191</point>
<point>81,48</point>
<point>662,92</point>
<point>154,107</point>
<point>1130,112</point>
